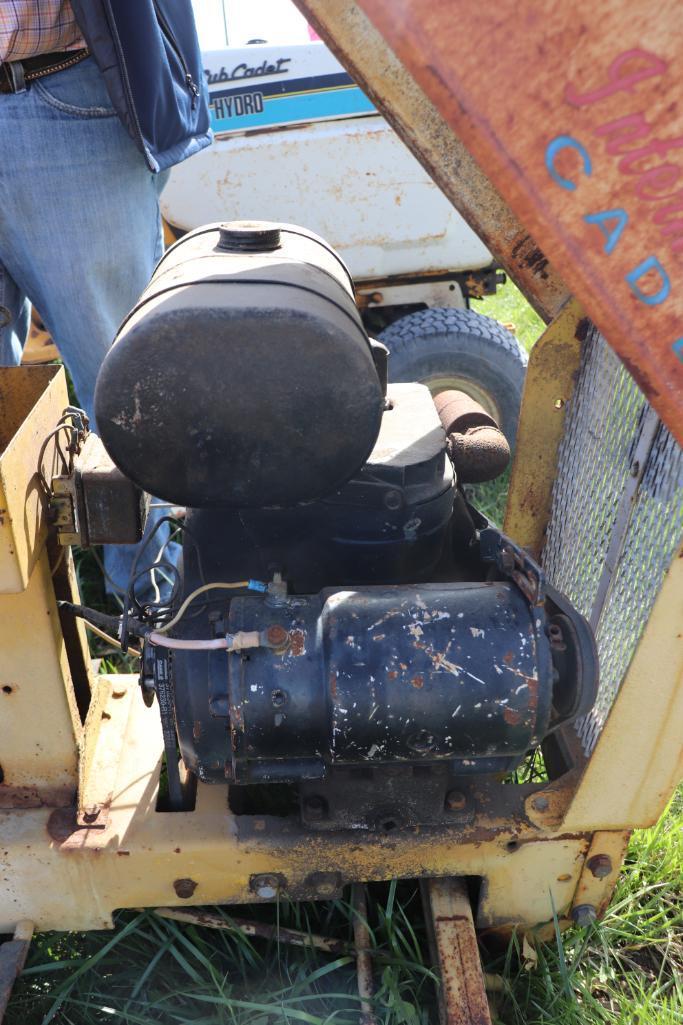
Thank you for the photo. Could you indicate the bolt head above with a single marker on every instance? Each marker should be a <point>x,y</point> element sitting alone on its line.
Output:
<point>184,888</point>
<point>277,636</point>
<point>455,800</point>
<point>584,915</point>
<point>315,807</point>
<point>600,865</point>
<point>541,803</point>
<point>266,886</point>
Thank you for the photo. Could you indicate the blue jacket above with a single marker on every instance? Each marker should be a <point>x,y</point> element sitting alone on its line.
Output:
<point>149,55</point>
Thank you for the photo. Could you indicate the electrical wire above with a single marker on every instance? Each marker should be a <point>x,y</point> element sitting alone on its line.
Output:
<point>54,433</point>
<point>216,643</point>
<point>129,598</point>
<point>231,642</point>
<point>77,430</point>
<point>109,639</point>
<point>58,563</point>
<point>201,590</point>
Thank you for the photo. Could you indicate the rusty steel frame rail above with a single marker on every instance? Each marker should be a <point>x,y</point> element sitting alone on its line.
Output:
<point>351,36</point>
<point>13,955</point>
<point>450,926</point>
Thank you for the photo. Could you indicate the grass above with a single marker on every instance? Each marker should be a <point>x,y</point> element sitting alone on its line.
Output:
<point>625,970</point>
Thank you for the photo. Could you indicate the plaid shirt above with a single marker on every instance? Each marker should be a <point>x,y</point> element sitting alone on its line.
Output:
<point>32,27</point>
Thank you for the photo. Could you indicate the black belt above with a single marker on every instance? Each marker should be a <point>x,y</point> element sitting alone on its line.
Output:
<point>15,74</point>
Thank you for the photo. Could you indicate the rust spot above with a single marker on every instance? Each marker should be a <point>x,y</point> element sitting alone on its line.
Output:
<point>7,689</point>
<point>123,854</point>
<point>508,658</point>
<point>392,675</point>
<point>582,329</point>
<point>512,717</point>
<point>197,729</point>
<point>297,642</point>
<point>184,888</point>
<point>333,684</point>
<point>277,636</point>
<point>418,681</point>
<point>34,797</point>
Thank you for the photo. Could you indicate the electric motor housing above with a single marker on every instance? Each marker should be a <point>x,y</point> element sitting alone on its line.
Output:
<point>243,377</point>
<point>472,675</point>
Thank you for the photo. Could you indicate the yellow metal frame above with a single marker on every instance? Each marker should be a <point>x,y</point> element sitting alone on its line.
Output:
<point>68,864</point>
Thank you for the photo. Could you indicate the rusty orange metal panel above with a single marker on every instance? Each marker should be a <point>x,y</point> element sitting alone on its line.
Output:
<point>575,113</point>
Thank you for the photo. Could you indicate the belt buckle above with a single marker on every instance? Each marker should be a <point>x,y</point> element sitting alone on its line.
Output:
<point>13,75</point>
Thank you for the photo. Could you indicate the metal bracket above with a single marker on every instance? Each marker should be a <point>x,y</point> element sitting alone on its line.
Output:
<point>514,563</point>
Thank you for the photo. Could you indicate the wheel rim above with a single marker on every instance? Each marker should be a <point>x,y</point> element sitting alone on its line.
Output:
<point>470,387</point>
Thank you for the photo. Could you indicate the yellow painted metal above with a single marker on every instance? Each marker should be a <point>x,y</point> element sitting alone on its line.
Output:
<point>62,876</point>
<point>40,729</point>
<point>551,373</point>
<point>601,870</point>
<point>31,401</point>
<point>638,757</point>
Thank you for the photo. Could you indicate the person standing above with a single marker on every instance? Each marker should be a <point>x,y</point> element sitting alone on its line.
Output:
<point>98,98</point>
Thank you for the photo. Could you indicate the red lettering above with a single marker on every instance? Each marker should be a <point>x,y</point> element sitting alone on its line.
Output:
<point>652,183</point>
<point>618,78</point>
<point>657,147</point>
<point>671,224</point>
<point>622,131</point>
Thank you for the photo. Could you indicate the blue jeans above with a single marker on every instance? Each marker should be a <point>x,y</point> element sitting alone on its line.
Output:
<point>80,229</point>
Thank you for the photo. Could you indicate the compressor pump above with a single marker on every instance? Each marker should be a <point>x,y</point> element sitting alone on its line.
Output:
<point>344,628</point>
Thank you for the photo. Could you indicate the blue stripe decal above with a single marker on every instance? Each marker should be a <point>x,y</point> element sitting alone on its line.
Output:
<point>239,112</point>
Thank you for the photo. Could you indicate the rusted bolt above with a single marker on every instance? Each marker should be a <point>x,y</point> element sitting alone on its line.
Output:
<point>326,884</point>
<point>277,636</point>
<point>541,803</point>
<point>184,888</point>
<point>315,807</point>
<point>278,697</point>
<point>91,813</point>
<point>600,865</point>
<point>584,915</point>
<point>266,886</point>
<point>455,800</point>
<point>376,297</point>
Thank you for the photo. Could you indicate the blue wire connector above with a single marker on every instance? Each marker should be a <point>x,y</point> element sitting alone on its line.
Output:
<point>257,585</point>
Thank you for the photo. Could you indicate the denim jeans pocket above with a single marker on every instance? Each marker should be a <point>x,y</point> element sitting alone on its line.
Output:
<point>78,91</point>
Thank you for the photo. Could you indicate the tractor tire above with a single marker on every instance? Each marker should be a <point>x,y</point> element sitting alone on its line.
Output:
<point>461,349</point>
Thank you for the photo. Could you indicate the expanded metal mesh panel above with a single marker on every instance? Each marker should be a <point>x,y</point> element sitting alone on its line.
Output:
<point>617,515</point>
